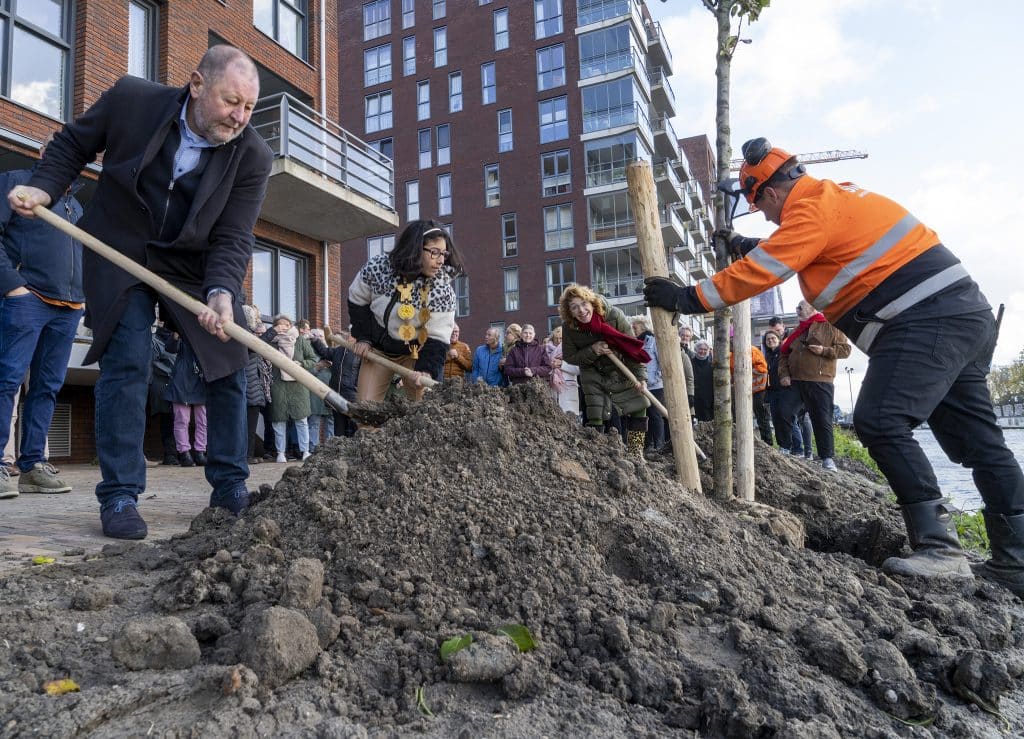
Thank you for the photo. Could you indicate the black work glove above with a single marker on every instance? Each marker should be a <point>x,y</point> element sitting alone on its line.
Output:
<point>728,243</point>
<point>660,292</point>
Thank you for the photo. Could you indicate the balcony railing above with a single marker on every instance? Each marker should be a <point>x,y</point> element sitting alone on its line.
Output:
<point>658,78</point>
<point>595,11</point>
<point>667,181</point>
<point>612,231</point>
<point>662,125</point>
<point>655,36</point>
<point>609,62</point>
<point>620,115</point>
<point>297,132</point>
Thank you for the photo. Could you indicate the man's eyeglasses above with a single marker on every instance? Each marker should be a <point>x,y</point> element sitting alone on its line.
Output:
<point>436,253</point>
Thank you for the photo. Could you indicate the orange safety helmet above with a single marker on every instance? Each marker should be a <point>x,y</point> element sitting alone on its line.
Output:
<point>761,161</point>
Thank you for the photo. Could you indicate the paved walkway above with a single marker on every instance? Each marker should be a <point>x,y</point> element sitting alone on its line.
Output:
<point>56,525</point>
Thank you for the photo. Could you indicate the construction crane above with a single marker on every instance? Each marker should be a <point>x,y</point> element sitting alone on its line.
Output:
<point>817,157</point>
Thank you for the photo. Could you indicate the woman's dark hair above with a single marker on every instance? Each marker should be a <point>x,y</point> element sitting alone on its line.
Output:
<point>407,256</point>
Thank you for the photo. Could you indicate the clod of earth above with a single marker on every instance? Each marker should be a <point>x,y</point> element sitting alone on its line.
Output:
<point>322,610</point>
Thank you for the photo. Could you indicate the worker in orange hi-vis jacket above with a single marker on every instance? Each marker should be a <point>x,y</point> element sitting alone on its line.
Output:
<point>886,281</point>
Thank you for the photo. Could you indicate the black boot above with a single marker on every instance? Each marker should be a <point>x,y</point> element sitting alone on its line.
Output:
<point>199,458</point>
<point>185,459</point>
<point>170,458</point>
<point>1006,535</point>
<point>937,551</point>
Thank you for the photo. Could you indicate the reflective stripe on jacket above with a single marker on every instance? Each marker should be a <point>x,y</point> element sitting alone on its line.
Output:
<point>842,241</point>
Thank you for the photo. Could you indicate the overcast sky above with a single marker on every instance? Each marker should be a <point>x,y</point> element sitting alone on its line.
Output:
<point>931,89</point>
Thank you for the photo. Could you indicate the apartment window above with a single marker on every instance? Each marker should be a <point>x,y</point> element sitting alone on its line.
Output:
<point>509,237</point>
<point>554,119</point>
<point>444,194</point>
<point>142,19</point>
<point>377,245</point>
<point>483,2</point>
<point>423,100</point>
<point>424,144</point>
<point>547,16</point>
<point>408,56</point>
<point>461,296</point>
<point>279,279</point>
<point>551,67</point>
<point>488,84</point>
<point>384,146</point>
<point>376,19</point>
<point>558,227</point>
<point>285,22</point>
<point>378,111</point>
<point>439,9</point>
<point>610,217</point>
<point>501,29</point>
<point>441,46</point>
<point>444,144</point>
<point>492,186</point>
<point>555,174</point>
<point>611,104</point>
<point>377,65</point>
<point>607,50</point>
<point>37,58</point>
<point>560,275</point>
<point>606,159</point>
<point>510,281</point>
<point>617,273</point>
<point>455,92</point>
<point>412,200</point>
<point>505,130</point>
<point>408,13</point>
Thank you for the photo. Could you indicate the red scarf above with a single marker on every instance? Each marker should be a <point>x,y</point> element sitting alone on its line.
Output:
<point>800,330</point>
<point>627,345</point>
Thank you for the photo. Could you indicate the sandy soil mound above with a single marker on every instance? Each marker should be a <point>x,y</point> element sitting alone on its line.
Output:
<point>322,611</point>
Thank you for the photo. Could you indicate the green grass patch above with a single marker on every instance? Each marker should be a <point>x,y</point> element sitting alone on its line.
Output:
<point>849,447</point>
<point>970,527</point>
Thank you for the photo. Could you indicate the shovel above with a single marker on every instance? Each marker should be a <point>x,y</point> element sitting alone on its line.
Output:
<point>649,395</point>
<point>169,291</point>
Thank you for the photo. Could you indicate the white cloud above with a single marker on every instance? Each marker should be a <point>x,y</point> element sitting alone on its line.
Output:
<point>859,118</point>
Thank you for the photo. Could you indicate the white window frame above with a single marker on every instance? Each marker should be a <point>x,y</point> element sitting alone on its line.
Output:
<point>440,46</point>
<point>444,153</point>
<point>378,73</point>
<point>506,140</point>
<point>408,56</point>
<point>381,25</point>
<point>492,186</point>
<point>384,116</point>
<point>501,30</point>
<point>412,200</point>
<point>444,194</point>
<point>455,92</point>
<point>423,100</point>
<point>488,92</point>
<point>509,237</point>
<point>561,182</point>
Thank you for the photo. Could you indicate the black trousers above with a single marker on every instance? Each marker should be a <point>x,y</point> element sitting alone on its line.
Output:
<point>656,423</point>
<point>934,370</point>
<point>761,413</point>
<point>784,403</point>
<point>818,398</point>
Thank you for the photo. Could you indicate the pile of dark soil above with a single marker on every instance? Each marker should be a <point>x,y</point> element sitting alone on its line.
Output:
<point>321,612</point>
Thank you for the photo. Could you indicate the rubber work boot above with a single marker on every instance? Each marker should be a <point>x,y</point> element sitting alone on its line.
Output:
<point>937,551</point>
<point>8,488</point>
<point>121,520</point>
<point>42,478</point>
<point>1006,535</point>
<point>635,444</point>
<point>185,459</point>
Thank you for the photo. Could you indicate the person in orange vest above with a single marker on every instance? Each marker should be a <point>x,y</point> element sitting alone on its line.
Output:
<point>885,280</point>
<point>758,389</point>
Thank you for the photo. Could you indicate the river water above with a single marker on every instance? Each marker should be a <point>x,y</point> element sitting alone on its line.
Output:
<point>954,480</point>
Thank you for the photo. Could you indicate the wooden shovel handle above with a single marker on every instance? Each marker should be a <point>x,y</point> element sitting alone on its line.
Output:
<point>186,301</point>
<point>404,372</point>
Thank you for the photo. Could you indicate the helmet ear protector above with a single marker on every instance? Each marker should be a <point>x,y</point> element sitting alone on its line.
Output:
<point>761,163</point>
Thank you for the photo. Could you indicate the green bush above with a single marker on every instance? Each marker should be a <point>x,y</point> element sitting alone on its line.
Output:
<point>848,446</point>
<point>971,529</point>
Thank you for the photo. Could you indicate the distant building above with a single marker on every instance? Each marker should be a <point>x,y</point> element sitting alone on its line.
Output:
<point>513,123</point>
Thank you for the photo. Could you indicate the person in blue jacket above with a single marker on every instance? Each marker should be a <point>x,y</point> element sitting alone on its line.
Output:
<point>487,360</point>
<point>41,303</point>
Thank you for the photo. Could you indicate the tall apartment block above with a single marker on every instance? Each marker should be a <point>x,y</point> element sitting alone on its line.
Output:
<point>326,186</point>
<point>512,121</point>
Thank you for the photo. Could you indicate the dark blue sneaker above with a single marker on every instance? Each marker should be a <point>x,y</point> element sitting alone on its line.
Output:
<point>235,501</point>
<point>121,520</point>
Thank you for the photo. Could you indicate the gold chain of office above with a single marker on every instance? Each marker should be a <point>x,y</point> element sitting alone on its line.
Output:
<point>407,311</point>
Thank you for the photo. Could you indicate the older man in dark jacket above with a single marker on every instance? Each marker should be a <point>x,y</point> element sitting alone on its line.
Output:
<point>184,177</point>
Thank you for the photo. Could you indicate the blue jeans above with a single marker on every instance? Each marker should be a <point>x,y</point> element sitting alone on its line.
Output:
<point>35,337</point>
<point>125,369</point>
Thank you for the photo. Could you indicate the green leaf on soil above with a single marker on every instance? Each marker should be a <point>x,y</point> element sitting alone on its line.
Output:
<point>926,721</point>
<point>520,635</point>
<point>42,560</point>
<point>453,645</point>
<point>421,702</point>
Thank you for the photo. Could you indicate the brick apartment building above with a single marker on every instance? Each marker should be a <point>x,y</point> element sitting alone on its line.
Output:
<point>513,122</point>
<point>326,185</point>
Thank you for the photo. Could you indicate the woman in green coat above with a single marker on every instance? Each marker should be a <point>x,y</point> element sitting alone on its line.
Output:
<point>289,400</point>
<point>591,330</point>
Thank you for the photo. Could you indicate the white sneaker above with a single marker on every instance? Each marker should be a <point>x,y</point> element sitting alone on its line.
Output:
<point>8,488</point>
<point>305,456</point>
<point>829,464</point>
<point>281,458</point>
<point>784,452</point>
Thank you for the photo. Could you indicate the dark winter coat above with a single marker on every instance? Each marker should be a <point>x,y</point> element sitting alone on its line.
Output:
<point>524,355</point>
<point>187,385</point>
<point>165,354</point>
<point>258,377</point>
<point>703,389</point>
<point>344,367</point>
<point>201,242</point>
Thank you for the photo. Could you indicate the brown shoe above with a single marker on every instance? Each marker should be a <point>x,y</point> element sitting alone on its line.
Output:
<point>12,470</point>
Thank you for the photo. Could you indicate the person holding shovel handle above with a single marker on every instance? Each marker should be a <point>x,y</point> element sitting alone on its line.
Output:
<point>402,305</point>
<point>184,176</point>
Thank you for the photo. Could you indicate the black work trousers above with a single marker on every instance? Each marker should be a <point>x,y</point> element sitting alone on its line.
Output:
<point>763,416</point>
<point>817,398</point>
<point>784,403</point>
<point>657,423</point>
<point>934,370</point>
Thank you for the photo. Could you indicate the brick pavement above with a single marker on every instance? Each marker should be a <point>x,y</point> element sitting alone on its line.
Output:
<point>52,525</point>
